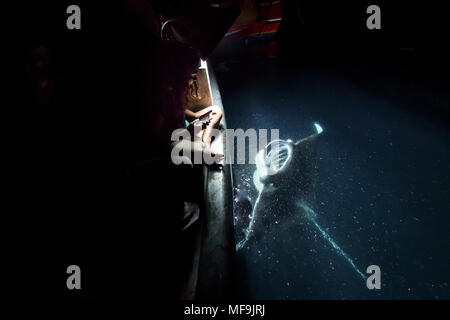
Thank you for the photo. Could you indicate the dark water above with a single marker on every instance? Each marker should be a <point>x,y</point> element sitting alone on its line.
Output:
<point>383,184</point>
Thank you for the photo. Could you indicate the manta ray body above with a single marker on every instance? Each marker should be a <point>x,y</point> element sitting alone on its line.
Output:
<point>283,232</point>
<point>285,177</point>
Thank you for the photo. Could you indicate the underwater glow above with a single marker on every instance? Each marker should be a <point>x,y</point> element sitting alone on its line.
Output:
<point>275,161</point>
<point>249,229</point>
<point>310,214</point>
<point>279,156</point>
<point>260,171</point>
<point>318,128</point>
<point>257,182</point>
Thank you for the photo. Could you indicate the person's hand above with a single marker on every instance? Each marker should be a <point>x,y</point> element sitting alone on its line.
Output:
<point>205,124</point>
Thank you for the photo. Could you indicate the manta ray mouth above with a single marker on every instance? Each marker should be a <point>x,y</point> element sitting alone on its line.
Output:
<point>274,158</point>
<point>271,160</point>
<point>279,155</point>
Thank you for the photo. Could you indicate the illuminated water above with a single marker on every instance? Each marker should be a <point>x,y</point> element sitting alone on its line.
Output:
<point>310,215</point>
<point>382,186</point>
<point>338,249</point>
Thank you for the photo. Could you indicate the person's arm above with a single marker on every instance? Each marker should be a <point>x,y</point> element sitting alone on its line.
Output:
<point>216,115</point>
<point>190,115</point>
<point>207,126</point>
<point>196,115</point>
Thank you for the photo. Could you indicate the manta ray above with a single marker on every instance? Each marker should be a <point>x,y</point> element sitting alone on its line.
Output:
<point>285,179</point>
<point>283,212</point>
